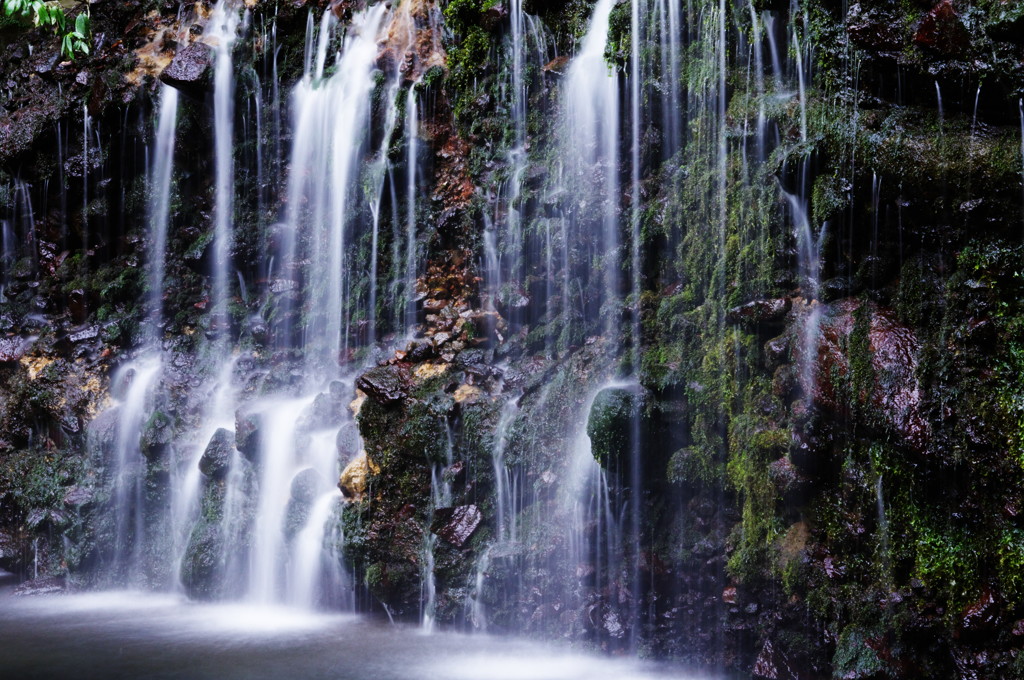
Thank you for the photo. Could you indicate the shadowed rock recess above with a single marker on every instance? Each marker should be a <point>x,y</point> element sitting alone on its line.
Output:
<point>692,330</point>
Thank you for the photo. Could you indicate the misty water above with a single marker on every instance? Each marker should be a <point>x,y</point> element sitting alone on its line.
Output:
<point>126,634</point>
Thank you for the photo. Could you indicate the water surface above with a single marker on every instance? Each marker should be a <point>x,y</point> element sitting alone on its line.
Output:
<point>139,635</point>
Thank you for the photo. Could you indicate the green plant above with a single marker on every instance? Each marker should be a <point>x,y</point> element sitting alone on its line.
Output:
<point>74,40</point>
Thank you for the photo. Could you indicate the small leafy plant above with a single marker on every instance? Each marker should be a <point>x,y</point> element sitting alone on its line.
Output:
<point>73,39</point>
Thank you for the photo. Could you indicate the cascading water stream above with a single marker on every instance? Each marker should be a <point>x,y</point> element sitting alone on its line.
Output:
<point>412,132</point>
<point>331,131</point>
<point>136,380</point>
<point>590,146</point>
<point>160,204</point>
<point>223,32</point>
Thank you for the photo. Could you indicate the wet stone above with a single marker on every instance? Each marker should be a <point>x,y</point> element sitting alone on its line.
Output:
<point>759,312</point>
<point>216,460</point>
<point>86,334</point>
<point>189,70</point>
<point>457,524</point>
<point>385,384</point>
<point>11,349</point>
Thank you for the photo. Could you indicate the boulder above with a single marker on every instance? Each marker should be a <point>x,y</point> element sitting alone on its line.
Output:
<point>247,434</point>
<point>941,30</point>
<point>157,435</point>
<point>216,460</point>
<point>355,477</point>
<point>385,384</point>
<point>325,412</point>
<point>190,70</point>
<point>457,524</point>
<point>307,484</point>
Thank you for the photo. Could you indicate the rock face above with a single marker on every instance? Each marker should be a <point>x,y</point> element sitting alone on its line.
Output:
<point>812,468</point>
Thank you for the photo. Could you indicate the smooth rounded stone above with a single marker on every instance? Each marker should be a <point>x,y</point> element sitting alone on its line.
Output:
<point>348,440</point>
<point>610,423</point>
<point>216,460</point>
<point>307,484</point>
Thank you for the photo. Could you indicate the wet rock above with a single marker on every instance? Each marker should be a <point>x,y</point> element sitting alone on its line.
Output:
<point>77,496</point>
<point>307,484</point>
<point>348,441</point>
<point>157,435</point>
<point>611,422</point>
<point>776,352</point>
<point>878,359</point>
<point>355,477</point>
<point>13,349</point>
<point>759,312</point>
<point>773,664</point>
<point>941,30</point>
<point>247,434</point>
<point>190,69</point>
<point>557,66</point>
<point>47,585</point>
<point>325,412</point>
<point>199,567</point>
<point>980,618</point>
<point>787,478</point>
<point>89,333</point>
<point>874,28</point>
<point>216,460</point>
<point>457,524</point>
<point>493,16</point>
<point>385,384</point>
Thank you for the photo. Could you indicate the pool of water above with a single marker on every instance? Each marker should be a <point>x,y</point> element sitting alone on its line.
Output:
<point>139,635</point>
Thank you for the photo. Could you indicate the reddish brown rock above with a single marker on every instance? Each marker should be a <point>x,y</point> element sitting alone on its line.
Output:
<point>941,30</point>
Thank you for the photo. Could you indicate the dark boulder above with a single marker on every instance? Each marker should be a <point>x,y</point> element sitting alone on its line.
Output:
<point>386,384</point>
<point>216,460</point>
<point>247,434</point>
<point>190,70</point>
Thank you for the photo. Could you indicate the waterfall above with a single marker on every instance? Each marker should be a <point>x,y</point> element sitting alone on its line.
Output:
<point>135,381</point>
<point>412,131</point>
<point>160,204</point>
<point>590,149</point>
<point>86,127</point>
<point>331,131</point>
<point>223,30</point>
